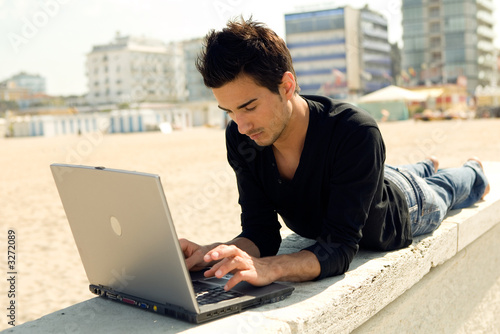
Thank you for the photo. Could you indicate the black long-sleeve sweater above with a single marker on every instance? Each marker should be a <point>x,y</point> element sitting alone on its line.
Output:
<point>337,196</point>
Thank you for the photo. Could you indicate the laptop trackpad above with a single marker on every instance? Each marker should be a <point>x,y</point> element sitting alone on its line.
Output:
<point>199,277</point>
<point>243,287</point>
<point>215,280</point>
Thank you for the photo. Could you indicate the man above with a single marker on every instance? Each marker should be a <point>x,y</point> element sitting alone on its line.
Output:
<point>318,163</point>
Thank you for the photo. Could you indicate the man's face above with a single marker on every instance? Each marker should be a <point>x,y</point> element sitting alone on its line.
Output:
<point>259,113</point>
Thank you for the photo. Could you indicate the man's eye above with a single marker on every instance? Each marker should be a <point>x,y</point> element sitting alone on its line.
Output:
<point>250,109</point>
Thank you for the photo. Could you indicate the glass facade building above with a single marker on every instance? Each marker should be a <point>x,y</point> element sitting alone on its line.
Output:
<point>448,41</point>
<point>341,53</point>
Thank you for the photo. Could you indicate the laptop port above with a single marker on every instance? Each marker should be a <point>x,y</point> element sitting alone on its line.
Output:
<point>143,305</point>
<point>111,295</point>
<point>129,301</point>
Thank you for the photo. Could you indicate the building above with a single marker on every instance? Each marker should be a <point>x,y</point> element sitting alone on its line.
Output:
<point>33,83</point>
<point>342,53</point>
<point>22,86</point>
<point>95,124</point>
<point>197,91</point>
<point>448,41</point>
<point>135,69</point>
<point>23,90</point>
<point>9,91</point>
<point>396,63</point>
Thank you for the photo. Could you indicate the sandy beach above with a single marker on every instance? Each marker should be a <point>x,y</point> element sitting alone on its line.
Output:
<point>199,185</point>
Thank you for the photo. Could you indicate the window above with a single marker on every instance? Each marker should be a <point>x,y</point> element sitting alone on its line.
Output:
<point>413,29</point>
<point>314,24</point>
<point>434,12</point>
<point>435,27</point>
<point>436,56</point>
<point>455,23</point>
<point>416,43</point>
<point>455,56</point>
<point>435,42</point>
<point>454,39</point>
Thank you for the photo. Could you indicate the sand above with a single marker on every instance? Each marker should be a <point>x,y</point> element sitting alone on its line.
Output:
<point>197,180</point>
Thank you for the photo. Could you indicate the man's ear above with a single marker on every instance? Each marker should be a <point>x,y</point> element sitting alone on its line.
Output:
<point>288,84</point>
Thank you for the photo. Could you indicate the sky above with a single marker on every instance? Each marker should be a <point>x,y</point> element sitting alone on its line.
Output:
<point>53,37</point>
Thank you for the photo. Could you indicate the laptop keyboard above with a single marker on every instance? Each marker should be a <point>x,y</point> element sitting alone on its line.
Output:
<point>210,294</point>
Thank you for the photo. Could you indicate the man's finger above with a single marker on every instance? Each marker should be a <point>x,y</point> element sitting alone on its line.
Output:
<point>231,283</point>
<point>194,259</point>
<point>191,262</point>
<point>223,251</point>
<point>215,269</point>
<point>211,256</point>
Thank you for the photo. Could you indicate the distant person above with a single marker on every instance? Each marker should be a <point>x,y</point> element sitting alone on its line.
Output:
<point>316,162</point>
<point>385,115</point>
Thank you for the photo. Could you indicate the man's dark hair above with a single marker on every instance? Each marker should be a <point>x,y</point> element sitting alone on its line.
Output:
<point>245,47</point>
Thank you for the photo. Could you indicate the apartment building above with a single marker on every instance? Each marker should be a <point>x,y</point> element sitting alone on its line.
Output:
<point>342,53</point>
<point>136,69</point>
<point>197,91</point>
<point>449,42</point>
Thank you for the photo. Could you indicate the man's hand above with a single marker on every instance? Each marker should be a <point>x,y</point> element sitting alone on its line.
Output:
<point>193,255</point>
<point>243,266</point>
<point>241,258</point>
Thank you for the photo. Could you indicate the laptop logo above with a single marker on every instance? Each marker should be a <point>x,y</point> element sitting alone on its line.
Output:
<point>115,225</point>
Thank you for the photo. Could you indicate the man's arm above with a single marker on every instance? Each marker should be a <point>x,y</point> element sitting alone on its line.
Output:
<point>295,267</point>
<point>240,257</point>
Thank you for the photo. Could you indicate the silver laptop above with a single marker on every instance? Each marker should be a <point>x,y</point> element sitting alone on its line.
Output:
<point>130,251</point>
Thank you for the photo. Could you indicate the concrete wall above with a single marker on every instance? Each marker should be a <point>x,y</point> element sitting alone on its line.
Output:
<point>460,296</point>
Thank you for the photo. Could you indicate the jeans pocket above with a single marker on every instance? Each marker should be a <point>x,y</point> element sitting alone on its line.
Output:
<point>425,196</point>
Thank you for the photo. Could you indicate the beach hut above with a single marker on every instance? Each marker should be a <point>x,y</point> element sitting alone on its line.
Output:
<point>391,102</point>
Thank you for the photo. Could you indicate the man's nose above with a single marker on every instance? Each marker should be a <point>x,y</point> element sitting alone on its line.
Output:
<point>244,123</point>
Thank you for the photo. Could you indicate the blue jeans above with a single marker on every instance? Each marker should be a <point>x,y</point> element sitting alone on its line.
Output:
<point>430,195</point>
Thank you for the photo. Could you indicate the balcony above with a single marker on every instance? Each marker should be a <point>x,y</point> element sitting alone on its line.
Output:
<point>376,33</point>
<point>485,46</point>
<point>487,60</point>
<point>376,46</point>
<point>371,17</point>
<point>435,28</point>
<point>486,32</point>
<point>486,17</point>
<point>488,4</point>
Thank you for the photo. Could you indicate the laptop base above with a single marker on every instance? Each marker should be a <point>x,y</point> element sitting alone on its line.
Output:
<point>179,312</point>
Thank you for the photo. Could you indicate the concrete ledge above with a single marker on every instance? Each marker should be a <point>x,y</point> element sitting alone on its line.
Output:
<point>339,304</point>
